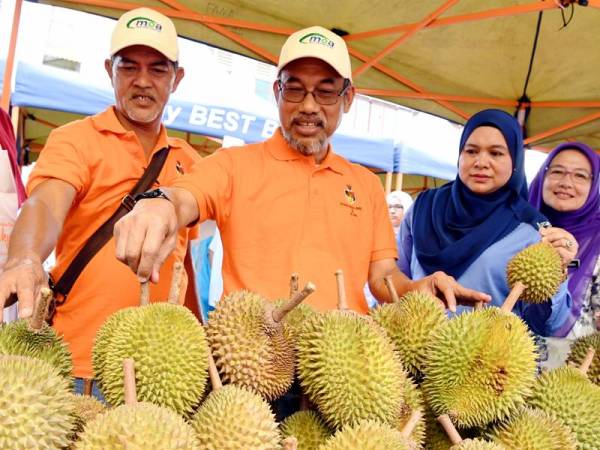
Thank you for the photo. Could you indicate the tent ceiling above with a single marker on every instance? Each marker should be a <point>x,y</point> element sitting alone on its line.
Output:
<point>447,57</point>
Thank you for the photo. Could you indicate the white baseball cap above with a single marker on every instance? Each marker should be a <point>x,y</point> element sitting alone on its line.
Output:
<point>317,42</point>
<point>144,26</point>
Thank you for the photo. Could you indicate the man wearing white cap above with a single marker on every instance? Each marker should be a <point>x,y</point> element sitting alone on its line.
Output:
<point>289,204</point>
<point>84,173</point>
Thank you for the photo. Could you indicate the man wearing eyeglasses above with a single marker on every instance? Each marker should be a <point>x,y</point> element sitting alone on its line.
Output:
<point>289,204</point>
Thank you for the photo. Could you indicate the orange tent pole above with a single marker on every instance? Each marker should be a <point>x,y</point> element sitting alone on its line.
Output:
<point>10,59</point>
<point>566,126</point>
<point>433,96</point>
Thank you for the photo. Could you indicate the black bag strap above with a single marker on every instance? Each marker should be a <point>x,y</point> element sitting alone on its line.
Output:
<point>103,234</point>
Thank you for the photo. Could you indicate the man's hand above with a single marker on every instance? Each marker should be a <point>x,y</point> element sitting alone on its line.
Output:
<point>23,278</point>
<point>563,241</point>
<point>449,291</point>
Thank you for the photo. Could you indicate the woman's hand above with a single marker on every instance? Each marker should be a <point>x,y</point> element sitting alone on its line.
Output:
<point>563,241</point>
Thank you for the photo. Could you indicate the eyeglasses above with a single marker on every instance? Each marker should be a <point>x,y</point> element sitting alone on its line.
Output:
<point>325,97</point>
<point>579,176</point>
<point>394,206</point>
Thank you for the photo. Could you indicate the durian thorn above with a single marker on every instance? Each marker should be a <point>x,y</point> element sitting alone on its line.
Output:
<point>41,310</point>
<point>412,422</point>
<point>587,361</point>
<point>176,283</point>
<point>294,284</point>
<point>279,313</point>
<point>391,288</point>
<point>290,443</point>
<point>129,381</point>
<point>215,379</point>
<point>513,296</point>
<point>341,288</point>
<point>450,429</point>
<point>144,293</point>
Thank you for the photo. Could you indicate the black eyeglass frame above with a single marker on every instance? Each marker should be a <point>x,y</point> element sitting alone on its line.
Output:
<point>340,93</point>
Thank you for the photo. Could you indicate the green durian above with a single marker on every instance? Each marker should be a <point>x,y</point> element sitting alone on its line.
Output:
<point>481,366</point>
<point>349,369</point>
<point>86,409</point>
<point>170,351</point>
<point>411,323</point>
<point>142,426</point>
<point>476,444</point>
<point>539,268</point>
<point>296,318</point>
<point>36,411</point>
<point>234,418</point>
<point>367,435</point>
<point>579,350</point>
<point>307,427</point>
<point>533,429</point>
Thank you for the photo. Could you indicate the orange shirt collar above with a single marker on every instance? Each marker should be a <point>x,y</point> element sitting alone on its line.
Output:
<point>281,150</point>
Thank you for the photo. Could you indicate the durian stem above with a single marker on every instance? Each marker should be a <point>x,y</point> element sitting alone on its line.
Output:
<point>176,283</point>
<point>293,284</point>
<point>391,288</point>
<point>41,310</point>
<point>144,293</point>
<point>478,306</point>
<point>513,296</point>
<point>290,443</point>
<point>87,387</point>
<point>587,361</point>
<point>412,422</point>
<point>280,313</point>
<point>449,428</point>
<point>129,381</point>
<point>304,402</point>
<point>213,373</point>
<point>341,288</point>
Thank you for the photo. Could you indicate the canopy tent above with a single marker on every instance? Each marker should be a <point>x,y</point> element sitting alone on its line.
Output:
<point>40,89</point>
<point>447,57</point>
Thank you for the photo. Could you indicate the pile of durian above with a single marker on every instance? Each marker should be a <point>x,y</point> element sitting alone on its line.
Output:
<point>405,377</point>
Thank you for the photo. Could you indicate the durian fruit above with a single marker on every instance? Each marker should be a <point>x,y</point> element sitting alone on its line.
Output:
<point>413,401</point>
<point>566,394</point>
<point>411,323</point>
<point>249,342</point>
<point>465,444</point>
<point>535,273</point>
<point>86,409</point>
<point>481,366</point>
<point>307,427</point>
<point>533,429</point>
<point>33,337</point>
<point>36,411</point>
<point>579,350</point>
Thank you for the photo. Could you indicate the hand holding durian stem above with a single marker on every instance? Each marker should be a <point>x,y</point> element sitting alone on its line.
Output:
<point>144,293</point>
<point>411,423</point>
<point>290,443</point>
<point>391,288</point>
<point>293,284</point>
<point>279,313</point>
<point>41,310</point>
<point>587,361</point>
<point>129,381</point>
<point>175,290</point>
<point>513,296</point>
<point>449,428</point>
<point>213,373</point>
<point>341,288</point>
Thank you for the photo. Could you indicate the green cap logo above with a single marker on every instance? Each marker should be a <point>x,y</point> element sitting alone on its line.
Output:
<point>144,22</point>
<point>316,38</point>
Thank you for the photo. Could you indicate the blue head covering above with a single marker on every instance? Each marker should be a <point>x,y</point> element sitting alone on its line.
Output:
<point>452,225</point>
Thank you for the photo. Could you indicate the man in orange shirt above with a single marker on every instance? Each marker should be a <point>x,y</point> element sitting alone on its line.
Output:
<point>289,204</point>
<point>83,173</point>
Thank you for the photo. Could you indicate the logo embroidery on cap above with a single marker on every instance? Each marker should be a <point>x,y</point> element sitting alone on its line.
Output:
<point>316,38</point>
<point>351,201</point>
<point>144,22</point>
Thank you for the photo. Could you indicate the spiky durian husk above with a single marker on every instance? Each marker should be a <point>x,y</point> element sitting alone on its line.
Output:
<point>539,268</point>
<point>579,350</point>
<point>86,408</point>
<point>16,338</point>
<point>170,352</point>
<point>481,366</point>
<point>413,400</point>
<point>533,429</point>
<point>36,412</point>
<point>367,435</point>
<point>476,444</point>
<point>246,351</point>
<point>143,426</point>
<point>349,369</point>
<point>566,394</point>
<point>101,340</point>
<point>235,418</point>
<point>411,323</point>
<point>307,427</point>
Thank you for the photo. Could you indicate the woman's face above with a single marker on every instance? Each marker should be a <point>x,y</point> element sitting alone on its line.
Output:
<point>567,181</point>
<point>396,212</point>
<point>485,164</point>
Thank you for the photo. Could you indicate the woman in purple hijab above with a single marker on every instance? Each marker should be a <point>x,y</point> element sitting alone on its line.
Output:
<point>567,191</point>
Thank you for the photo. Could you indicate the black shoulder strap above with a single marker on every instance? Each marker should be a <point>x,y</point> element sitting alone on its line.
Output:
<point>105,232</point>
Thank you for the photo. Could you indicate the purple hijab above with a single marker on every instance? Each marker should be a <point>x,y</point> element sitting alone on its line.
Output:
<point>583,223</point>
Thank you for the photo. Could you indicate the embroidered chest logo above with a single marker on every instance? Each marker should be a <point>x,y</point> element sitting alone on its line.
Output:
<point>179,168</point>
<point>351,201</point>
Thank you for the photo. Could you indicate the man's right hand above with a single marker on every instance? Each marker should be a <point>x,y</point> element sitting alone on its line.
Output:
<point>23,278</point>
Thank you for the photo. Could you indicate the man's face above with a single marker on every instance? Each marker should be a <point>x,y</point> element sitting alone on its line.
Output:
<point>307,125</point>
<point>143,79</point>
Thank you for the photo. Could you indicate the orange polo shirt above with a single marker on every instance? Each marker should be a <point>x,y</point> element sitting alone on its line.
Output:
<point>103,162</point>
<point>278,212</point>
